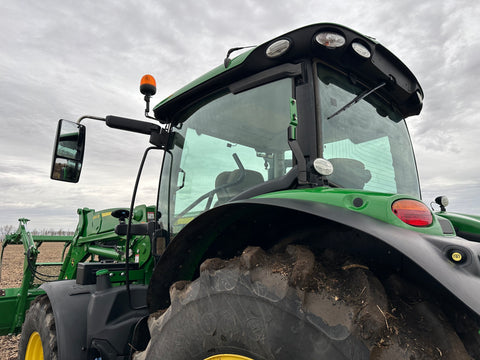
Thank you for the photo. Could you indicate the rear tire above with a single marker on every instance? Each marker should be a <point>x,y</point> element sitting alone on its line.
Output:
<point>290,306</point>
<point>38,332</point>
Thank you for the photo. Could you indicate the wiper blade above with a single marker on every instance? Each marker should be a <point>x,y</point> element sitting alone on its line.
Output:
<point>357,99</point>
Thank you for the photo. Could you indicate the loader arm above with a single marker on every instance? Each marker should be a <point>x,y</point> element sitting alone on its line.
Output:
<point>15,301</point>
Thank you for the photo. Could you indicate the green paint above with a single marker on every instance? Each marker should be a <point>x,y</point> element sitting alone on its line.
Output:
<point>463,222</point>
<point>293,118</point>
<point>375,204</point>
<point>211,74</point>
<point>93,229</point>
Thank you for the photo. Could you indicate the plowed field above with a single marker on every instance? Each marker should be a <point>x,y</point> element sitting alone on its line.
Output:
<point>11,277</point>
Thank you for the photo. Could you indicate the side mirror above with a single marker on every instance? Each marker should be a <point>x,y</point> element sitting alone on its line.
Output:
<point>68,151</point>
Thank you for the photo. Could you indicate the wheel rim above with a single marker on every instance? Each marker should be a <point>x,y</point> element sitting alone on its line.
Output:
<point>228,357</point>
<point>34,347</point>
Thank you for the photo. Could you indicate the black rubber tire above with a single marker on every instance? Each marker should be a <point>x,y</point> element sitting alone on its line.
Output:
<point>39,318</point>
<point>291,306</point>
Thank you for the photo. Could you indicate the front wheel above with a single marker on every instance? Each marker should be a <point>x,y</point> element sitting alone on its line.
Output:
<point>38,340</point>
<point>292,305</point>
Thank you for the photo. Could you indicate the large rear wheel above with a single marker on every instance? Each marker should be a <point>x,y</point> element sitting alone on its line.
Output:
<point>38,340</point>
<point>292,305</point>
<point>228,357</point>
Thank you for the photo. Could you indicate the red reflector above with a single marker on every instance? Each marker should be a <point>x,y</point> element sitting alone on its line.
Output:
<point>412,212</point>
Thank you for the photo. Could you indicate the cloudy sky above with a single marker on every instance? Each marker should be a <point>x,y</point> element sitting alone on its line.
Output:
<point>64,59</point>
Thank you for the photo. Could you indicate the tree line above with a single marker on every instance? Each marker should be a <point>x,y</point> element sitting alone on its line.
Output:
<point>10,229</point>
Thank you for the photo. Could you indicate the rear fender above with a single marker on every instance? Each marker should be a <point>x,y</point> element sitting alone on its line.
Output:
<point>226,230</point>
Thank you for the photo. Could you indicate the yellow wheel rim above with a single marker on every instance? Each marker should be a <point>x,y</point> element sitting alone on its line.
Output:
<point>34,347</point>
<point>227,357</point>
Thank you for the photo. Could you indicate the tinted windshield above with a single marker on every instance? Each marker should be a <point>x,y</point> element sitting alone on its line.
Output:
<point>368,143</point>
<point>233,142</point>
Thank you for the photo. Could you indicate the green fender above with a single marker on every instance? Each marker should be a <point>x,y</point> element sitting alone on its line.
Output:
<point>466,226</point>
<point>226,230</point>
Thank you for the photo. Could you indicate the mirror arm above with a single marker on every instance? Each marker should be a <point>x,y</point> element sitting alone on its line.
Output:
<point>141,127</point>
<point>90,117</point>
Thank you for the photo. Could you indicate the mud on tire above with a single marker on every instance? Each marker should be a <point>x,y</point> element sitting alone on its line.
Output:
<point>39,318</point>
<point>291,305</point>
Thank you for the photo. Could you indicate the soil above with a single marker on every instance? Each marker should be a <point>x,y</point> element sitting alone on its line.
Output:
<point>11,277</point>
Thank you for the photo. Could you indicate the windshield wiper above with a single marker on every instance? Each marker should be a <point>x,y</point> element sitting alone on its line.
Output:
<point>357,99</point>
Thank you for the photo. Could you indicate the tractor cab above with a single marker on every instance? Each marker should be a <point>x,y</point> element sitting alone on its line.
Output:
<point>320,107</point>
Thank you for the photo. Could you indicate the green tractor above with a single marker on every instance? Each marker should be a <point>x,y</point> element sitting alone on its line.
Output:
<point>94,246</point>
<point>288,222</point>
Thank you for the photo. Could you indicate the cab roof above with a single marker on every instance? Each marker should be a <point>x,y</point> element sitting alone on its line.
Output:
<point>402,89</point>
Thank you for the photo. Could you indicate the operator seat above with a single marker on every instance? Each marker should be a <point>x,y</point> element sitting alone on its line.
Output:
<point>238,184</point>
<point>351,172</point>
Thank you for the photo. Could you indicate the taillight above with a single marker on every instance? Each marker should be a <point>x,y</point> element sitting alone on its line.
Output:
<point>412,212</point>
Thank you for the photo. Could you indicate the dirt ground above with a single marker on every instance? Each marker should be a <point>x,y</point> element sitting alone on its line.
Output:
<point>11,277</point>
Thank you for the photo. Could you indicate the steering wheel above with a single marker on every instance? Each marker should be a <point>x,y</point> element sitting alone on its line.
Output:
<point>211,193</point>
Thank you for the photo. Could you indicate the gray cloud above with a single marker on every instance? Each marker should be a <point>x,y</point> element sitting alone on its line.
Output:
<point>63,59</point>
